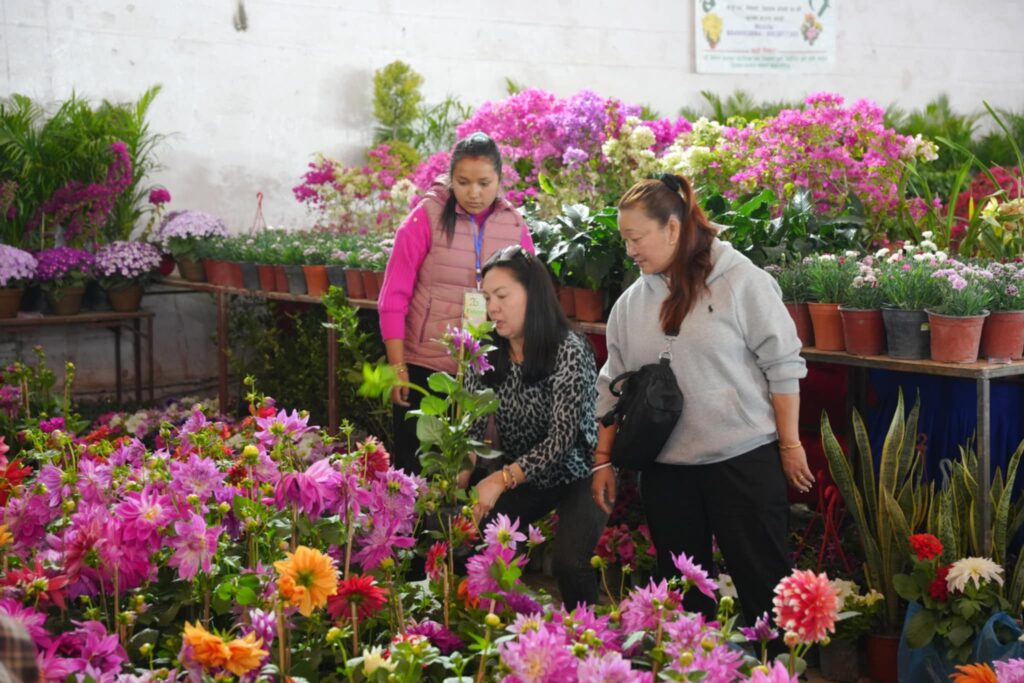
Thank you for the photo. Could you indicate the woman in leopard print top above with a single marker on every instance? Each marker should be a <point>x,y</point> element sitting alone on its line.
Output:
<point>545,378</point>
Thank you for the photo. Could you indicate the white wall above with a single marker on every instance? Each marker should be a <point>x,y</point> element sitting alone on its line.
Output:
<point>247,109</point>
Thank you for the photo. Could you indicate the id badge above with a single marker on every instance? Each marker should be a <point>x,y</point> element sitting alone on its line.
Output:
<point>474,308</point>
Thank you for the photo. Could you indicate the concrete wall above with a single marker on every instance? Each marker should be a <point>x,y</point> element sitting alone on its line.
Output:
<point>246,109</point>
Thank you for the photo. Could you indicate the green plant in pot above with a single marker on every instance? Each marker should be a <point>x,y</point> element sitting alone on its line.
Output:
<point>885,508</point>
<point>791,275</point>
<point>181,234</point>
<point>829,277</point>
<point>591,255</point>
<point>124,268</point>
<point>957,320</point>
<point>908,289</point>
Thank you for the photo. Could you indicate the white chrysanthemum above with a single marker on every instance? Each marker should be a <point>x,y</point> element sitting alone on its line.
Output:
<point>374,659</point>
<point>941,256</point>
<point>882,253</point>
<point>975,569</point>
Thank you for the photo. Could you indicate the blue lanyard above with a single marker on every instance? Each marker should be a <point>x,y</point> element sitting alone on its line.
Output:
<point>478,245</point>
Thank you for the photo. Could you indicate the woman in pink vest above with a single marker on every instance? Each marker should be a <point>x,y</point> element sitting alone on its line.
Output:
<point>437,259</point>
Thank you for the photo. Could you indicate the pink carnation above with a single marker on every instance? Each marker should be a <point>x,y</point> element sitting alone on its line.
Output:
<point>807,605</point>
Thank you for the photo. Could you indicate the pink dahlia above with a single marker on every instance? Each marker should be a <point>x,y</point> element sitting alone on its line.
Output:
<point>694,574</point>
<point>806,604</point>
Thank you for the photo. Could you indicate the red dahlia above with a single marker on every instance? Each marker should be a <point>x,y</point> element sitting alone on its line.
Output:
<point>925,546</point>
<point>360,591</point>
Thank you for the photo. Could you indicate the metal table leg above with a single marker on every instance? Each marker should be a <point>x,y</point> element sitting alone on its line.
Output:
<point>137,354</point>
<point>332,377</point>
<point>222,353</point>
<point>984,447</point>
<point>117,360</point>
<point>149,343</point>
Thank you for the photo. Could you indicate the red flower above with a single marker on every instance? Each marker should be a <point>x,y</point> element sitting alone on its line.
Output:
<point>11,475</point>
<point>358,590</point>
<point>937,588</point>
<point>37,586</point>
<point>437,557</point>
<point>925,546</point>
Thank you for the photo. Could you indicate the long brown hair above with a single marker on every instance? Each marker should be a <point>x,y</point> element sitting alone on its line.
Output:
<point>660,199</point>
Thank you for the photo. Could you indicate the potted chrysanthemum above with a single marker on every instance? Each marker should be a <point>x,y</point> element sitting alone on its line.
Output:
<point>62,272</point>
<point>179,235</point>
<point>123,268</point>
<point>17,268</point>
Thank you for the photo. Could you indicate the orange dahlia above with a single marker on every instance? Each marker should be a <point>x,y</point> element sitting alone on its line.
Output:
<point>974,673</point>
<point>245,654</point>
<point>308,578</point>
<point>208,649</point>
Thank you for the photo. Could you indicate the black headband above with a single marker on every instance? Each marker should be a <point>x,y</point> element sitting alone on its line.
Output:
<point>671,181</point>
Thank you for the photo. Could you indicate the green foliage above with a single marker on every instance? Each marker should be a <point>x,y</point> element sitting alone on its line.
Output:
<point>36,399</point>
<point>992,149</point>
<point>885,509</point>
<point>396,101</point>
<point>285,349</point>
<point>513,87</point>
<point>41,154</point>
<point>755,226</point>
<point>434,128</point>
<point>739,105</point>
<point>583,248</point>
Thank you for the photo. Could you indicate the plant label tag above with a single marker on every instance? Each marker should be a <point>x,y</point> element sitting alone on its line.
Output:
<point>925,327</point>
<point>474,308</point>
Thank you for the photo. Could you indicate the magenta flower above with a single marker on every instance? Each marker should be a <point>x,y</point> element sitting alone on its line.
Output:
<point>445,640</point>
<point>1010,671</point>
<point>684,634</point>
<point>534,536</point>
<point>32,619</point>
<point>610,668</point>
<point>503,532</point>
<point>263,624</point>
<point>761,631</point>
<point>694,575</point>
<point>383,539</point>
<point>143,514</point>
<point>312,491</point>
<point>158,196</point>
<point>17,267</point>
<point>464,347</point>
<point>197,476</point>
<point>96,652</point>
<point>780,674</point>
<point>646,606</point>
<point>195,546</point>
<point>271,430</point>
<point>538,657</point>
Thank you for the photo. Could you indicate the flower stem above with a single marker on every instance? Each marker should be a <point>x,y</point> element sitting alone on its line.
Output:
<point>355,628</point>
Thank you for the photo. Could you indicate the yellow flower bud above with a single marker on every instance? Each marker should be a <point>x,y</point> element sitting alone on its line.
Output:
<point>333,635</point>
<point>492,620</point>
<point>726,603</point>
<point>145,649</point>
<point>597,562</point>
<point>686,658</point>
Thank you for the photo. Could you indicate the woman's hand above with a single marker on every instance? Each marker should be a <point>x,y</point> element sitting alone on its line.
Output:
<point>602,485</point>
<point>462,481</point>
<point>400,394</point>
<point>488,492</point>
<point>794,464</point>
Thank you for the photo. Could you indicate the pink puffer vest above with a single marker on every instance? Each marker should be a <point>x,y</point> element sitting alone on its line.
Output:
<point>447,271</point>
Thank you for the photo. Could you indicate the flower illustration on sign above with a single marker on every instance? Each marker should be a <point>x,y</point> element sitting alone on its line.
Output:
<point>811,28</point>
<point>712,25</point>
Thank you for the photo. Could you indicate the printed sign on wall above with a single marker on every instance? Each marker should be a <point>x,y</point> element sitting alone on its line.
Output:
<point>737,36</point>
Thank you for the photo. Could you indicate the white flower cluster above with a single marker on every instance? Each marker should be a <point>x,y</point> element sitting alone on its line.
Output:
<point>126,260</point>
<point>16,265</point>
<point>925,252</point>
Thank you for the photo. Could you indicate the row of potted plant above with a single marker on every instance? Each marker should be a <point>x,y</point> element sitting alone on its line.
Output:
<point>909,302</point>
<point>275,260</point>
<point>122,268</point>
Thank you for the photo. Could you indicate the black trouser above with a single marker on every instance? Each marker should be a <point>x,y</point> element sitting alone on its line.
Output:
<point>580,523</point>
<point>742,502</point>
<point>405,445</point>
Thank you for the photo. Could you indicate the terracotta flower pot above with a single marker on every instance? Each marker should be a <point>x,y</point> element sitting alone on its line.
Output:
<point>956,339</point>
<point>828,326</point>
<point>316,280</point>
<point>802,319</point>
<point>882,662</point>
<point>217,272</point>
<point>280,279</point>
<point>1002,337</point>
<point>380,274</point>
<point>125,298</point>
<point>863,331</point>
<point>907,333</point>
<point>370,285</point>
<point>66,301</point>
<point>589,304</point>
<point>354,284</point>
<point>191,269</point>
<point>233,275</point>
<point>568,301</point>
<point>265,272</point>
<point>10,301</point>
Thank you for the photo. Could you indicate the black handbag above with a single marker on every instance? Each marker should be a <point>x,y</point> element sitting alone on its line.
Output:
<point>647,411</point>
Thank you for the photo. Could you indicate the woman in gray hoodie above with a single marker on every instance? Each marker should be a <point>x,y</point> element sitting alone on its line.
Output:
<point>736,357</point>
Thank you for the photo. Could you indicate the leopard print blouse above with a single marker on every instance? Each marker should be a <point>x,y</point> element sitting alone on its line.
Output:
<point>549,428</point>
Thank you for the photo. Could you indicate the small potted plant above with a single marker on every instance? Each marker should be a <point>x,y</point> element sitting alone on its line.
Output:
<point>123,269</point>
<point>314,266</point>
<point>792,279</point>
<point>589,250</point>
<point>181,233</point>
<point>62,273</point>
<point>1002,337</point>
<point>17,268</point>
<point>957,320</point>
<point>909,289</point>
<point>858,616</point>
<point>829,276</point>
<point>861,311</point>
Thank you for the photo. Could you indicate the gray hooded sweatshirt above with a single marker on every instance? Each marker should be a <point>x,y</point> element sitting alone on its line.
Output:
<point>735,348</point>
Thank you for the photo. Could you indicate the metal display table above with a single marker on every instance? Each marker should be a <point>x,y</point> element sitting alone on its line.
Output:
<point>981,372</point>
<point>113,321</point>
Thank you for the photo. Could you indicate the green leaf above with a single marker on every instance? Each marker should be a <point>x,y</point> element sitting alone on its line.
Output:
<point>245,596</point>
<point>959,634</point>
<point>906,587</point>
<point>921,628</point>
<point>442,383</point>
<point>545,184</point>
<point>430,429</point>
<point>433,405</point>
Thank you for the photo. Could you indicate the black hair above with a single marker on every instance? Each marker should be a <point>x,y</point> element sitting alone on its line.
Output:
<point>545,326</point>
<point>476,145</point>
